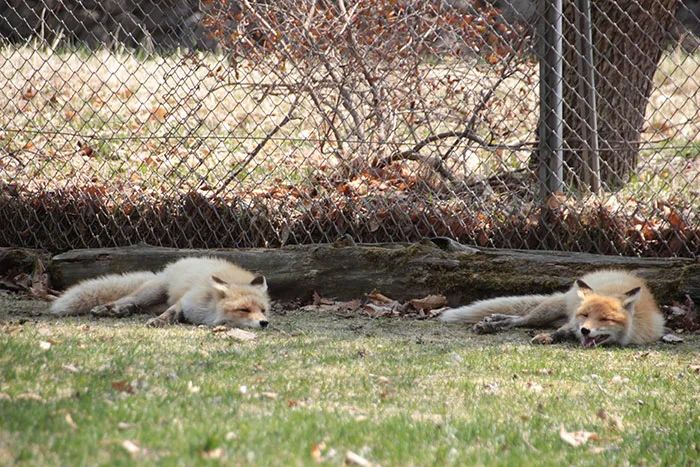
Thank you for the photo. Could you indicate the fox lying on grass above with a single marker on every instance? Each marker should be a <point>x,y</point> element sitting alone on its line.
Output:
<point>603,307</point>
<point>208,291</point>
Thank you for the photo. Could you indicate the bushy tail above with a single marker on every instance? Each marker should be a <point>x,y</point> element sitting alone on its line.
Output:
<point>82,297</point>
<point>518,305</point>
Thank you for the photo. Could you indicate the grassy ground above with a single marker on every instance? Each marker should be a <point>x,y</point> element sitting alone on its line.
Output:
<point>314,386</point>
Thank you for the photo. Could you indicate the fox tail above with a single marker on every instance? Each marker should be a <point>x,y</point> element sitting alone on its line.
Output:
<point>516,305</point>
<point>82,297</point>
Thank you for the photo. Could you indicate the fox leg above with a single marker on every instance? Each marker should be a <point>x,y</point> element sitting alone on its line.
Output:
<point>551,312</point>
<point>172,315</point>
<point>564,333</point>
<point>153,292</point>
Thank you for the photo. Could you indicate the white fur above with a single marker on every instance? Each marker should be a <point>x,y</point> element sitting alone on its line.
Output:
<point>80,299</point>
<point>187,282</point>
<point>514,305</point>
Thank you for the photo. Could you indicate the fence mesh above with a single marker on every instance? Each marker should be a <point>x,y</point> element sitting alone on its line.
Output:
<point>240,123</point>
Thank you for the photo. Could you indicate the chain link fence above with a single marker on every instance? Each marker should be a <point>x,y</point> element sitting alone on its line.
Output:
<point>236,123</point>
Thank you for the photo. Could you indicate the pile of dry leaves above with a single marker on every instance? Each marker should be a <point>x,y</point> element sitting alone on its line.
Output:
<point>377,305</point>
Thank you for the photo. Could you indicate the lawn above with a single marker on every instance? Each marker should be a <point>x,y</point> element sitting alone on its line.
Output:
<point>315,386</point>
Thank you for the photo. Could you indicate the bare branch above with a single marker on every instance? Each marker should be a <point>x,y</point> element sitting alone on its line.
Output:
<point>251,155</point>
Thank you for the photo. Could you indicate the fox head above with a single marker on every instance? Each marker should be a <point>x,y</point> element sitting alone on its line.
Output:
<point>242,306</point>
<point>603,319</point>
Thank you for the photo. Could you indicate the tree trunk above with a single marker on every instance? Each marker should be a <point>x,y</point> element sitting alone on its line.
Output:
<point>400,271</point>
<point>628,44</point>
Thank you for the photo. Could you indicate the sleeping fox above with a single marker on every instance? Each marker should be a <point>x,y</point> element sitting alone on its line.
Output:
<point>601,308</point>
<point>210,291</point>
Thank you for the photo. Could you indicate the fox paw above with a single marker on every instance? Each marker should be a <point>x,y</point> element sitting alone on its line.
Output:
<point>543,338</point>
<point>495,323</point>
<point>111,310</point>
<point>157,322</point>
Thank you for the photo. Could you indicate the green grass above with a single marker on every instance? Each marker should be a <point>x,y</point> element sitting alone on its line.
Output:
<point>398,392</point>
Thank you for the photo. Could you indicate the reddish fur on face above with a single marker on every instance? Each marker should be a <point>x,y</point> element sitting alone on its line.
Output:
<point>600,311</point>
<point>243,307</point>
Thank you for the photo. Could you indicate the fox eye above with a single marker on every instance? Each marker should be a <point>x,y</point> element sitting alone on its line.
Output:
<point>583,315</point>
<point>243,310</point>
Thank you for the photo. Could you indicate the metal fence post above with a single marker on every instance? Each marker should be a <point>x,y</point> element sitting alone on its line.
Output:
<point>587,93</point>
<point>550,39</point>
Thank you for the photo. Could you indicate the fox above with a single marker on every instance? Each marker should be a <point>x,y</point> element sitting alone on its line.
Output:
<point>607,307</point>
<point>196,290</point>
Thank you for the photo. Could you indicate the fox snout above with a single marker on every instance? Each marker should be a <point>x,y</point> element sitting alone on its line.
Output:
<point>593,336</point>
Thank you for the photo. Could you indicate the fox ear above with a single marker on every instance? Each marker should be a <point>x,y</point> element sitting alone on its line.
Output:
<point>259,281</point>
<point>219,285</point>
<point>583,289</point>
<point>631,297</point>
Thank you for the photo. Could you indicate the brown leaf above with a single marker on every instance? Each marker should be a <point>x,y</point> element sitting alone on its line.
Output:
<point>613,420</point>
<point>85,149</point>
<point>555,200</point>
<point>123,386</point>
<point>316,451</point>
<point>379,298</point>
<point>576,438</point>
<point>428,303</point>
<point>492,59</point>
<point>158,114</point>
<point>29,93</point>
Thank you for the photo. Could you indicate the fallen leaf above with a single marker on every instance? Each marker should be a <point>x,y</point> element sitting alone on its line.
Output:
<point>380,298</point>
<point>29,396</point>
<point>316,451</point>
<point>123,386</point>
<point>534,387</point>
<point>213,454</point>
<point>269,395</point>
<point>613,420</point>
<point>617,379</point>
<point>671,339</point>
<point>69,367</point>
<point>85,149</point>
<point>492,59</point>
<point>356,459</point>
<point>159,114</point>
<point>44,345</point>
<point>70,422</point>
<point>29,93</point>
<point>230,436</point>
<point>124,425</point>
<point>576,438</point>
<point>428,303</point>
<point>192,388</point>
<point>695,368</point>
<point>239,335</point>
<point>131,447</point>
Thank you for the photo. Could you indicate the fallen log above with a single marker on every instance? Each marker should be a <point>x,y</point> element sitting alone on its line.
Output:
<point>400,271</point>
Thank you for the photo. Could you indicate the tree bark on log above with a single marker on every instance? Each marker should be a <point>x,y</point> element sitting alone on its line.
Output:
<point>400,271</point>
<point>628,39</point>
